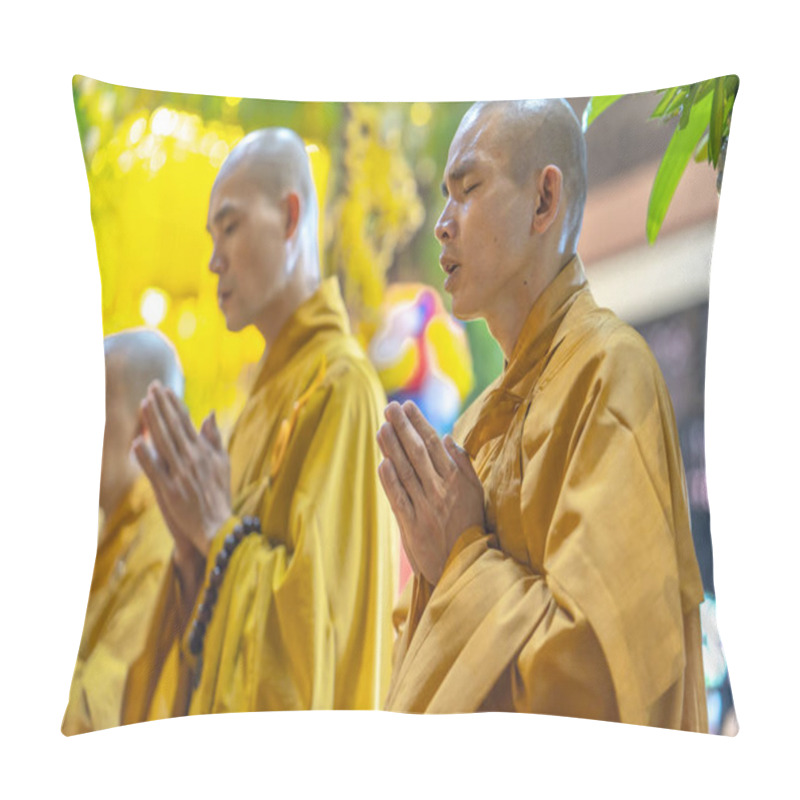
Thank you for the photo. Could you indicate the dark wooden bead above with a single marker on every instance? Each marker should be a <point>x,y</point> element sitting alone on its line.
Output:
<point>215,578</point>
<point>210,596</point>
<point>204,613</point>
<point>230,543</point>
<point>238,533</point>
<point>222,559</point>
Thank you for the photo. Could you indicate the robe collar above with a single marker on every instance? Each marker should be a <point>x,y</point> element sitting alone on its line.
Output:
<point>537,337</point>
<point>322,314</point>
<point>536,343</point>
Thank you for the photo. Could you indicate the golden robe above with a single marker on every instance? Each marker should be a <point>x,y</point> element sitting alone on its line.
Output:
<point>581,598</point>
<point>134,548</point>
<point>303,615</point>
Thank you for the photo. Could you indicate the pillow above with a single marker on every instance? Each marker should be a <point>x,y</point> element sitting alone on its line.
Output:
<point>151,160</point>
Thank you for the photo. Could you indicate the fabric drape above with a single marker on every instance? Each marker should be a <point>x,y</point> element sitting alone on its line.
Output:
<point>580,597</point>
<point>303,616</point>
<point>134,549</point>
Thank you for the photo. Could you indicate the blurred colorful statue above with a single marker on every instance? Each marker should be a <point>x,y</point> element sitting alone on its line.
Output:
<point>422,354</point>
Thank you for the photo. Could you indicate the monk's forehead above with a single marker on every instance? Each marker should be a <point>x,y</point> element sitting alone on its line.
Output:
<point>233,188</point>
<point>479,138</point>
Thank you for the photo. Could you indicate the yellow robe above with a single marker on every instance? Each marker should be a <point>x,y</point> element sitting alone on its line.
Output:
<point>303,616</point>
<point>581,597</point>
<point>134,548</point>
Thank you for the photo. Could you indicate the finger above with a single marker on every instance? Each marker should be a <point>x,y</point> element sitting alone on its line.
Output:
<point>412,445</point>
<point>159,435</point>
<point>393,451</point>
<point>398,498</point>
<point>210,431</point>
<point>461,459</point>
<point>158,480</point>
<point>440,458</point>
<point>172,423</point>
<point>401,505</point>
<point>182,414</point>
<point>148,463</point>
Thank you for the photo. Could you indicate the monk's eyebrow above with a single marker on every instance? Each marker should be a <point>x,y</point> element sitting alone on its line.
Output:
<point>458,172</point>
<point>223,212</point>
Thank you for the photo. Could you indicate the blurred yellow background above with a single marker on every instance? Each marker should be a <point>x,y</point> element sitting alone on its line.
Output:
<point>151,159</point>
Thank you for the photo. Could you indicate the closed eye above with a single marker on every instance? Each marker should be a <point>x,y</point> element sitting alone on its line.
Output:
<point>229,229</point>
<point>470,188</point>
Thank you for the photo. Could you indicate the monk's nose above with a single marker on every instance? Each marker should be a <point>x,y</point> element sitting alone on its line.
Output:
<point>215,264</point>
<point>445,227</point>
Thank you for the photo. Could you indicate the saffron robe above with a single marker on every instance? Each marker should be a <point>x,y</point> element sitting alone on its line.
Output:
<point>134,549</point>
<point>303,615</point>
<point>581,596</point>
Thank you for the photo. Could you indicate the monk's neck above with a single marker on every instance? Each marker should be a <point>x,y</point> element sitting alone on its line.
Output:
<point>508,316</point>
<point>303,283</point>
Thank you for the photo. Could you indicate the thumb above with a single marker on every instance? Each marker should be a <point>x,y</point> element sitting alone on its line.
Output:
<point>210,431</point>
<point>461,457</point>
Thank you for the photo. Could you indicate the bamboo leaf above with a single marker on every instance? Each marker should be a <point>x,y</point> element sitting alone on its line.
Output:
<point>679,150</point>
<point>701,152</point>
<point>717,120</point>
<point>686,110</point>
<point>704,88</point>
<point>731,85</point>
<point>596,106</point>
<point>675,105</point>
<point>669,95</point>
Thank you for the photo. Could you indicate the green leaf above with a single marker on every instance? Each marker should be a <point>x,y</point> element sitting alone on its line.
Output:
<point>686,110</point>
<point>679,150</point>
<point>596,106</point>
<point>717,121</point>
<point>731,84</point>
<point>701,152</point>
<point>664,104</point>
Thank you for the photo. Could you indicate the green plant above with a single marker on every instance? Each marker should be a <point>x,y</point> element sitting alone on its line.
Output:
<point>704,121</point>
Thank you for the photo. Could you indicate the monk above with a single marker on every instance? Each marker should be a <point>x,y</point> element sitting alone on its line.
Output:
<point>134,546</point>
<point>282,579</point>
<point>554,569</point>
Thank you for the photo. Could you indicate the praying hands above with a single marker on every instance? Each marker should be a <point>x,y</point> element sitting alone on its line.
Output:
<point>189,471</point>
<point>431,485</point>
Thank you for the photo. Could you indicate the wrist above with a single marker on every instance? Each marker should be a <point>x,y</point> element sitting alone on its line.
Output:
<point>188,563</point>
<point>210,531</point>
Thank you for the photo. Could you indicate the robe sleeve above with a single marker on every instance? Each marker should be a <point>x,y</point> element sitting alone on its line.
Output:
<point>302,619</point>
<point>98,684</point>
<point>313,593</point>
<point>600,629</point>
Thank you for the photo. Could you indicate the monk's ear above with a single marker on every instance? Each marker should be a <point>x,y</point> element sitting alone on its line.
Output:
<point>548,198</point>
<point>292,214</point>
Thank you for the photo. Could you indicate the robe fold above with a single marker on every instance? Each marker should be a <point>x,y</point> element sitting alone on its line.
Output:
<point>581,596</point>
<point>303,615</point>
<point>133,552</point>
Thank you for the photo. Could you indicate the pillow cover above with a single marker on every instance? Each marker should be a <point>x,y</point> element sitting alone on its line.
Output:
<point>152,159</point>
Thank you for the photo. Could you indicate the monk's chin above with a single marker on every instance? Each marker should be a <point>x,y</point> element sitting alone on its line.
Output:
<point>234,326</point>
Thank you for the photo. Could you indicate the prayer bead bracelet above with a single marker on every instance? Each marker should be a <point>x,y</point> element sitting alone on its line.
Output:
<point>202,618</point>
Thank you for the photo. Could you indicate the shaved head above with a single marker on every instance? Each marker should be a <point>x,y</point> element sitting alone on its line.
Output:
<point>514,187</point>
<point>137,358</point>
<point>534,134</point>
<point>275,159</point>
<point>134,359</point>
<point>262,217</point>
